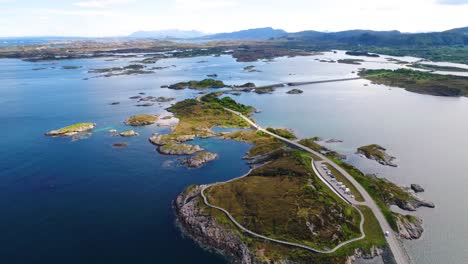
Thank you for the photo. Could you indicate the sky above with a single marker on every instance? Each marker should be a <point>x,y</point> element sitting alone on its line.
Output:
<point>103,18</point>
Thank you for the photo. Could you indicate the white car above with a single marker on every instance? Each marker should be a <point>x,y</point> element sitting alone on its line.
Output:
<point>387,233</point>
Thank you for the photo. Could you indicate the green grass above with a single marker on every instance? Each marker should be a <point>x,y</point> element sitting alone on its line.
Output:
<point>197,118</point>
<point>228,102</point>
<point>419,81</point>
<point>75,127</point>
<point>278,199</point>
<point>262,142</point>
<point>373,150</point>
<point>199,85</point>
<point>143,119</point>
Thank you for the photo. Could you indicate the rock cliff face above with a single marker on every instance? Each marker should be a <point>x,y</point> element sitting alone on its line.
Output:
<point>409,227</point>
<point>205,230</point>
<point>377,153</point>
<point>200,159</point>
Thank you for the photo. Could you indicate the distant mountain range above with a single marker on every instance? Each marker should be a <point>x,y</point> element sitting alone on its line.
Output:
<point>458,36</point>
<point>256,33</point>
<point>167,34</point>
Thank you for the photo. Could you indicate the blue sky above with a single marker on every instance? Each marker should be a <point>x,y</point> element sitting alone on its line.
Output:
<point>121,17</point>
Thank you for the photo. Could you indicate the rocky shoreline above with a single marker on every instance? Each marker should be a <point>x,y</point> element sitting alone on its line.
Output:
<point>206,231</point>
<point>377,153</point>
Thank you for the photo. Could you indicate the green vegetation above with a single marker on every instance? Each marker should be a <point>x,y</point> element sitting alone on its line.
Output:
<point>263,143</point>
<point>286,133</point>
<point>312,144</point>
<point>197,118</point>
<point>431,67</point>
<point>141,120</point>
<point>373,150</point>
<point>264,89</point>
<point>455,53</point>
<point>228,102</point>
<point>383,192</point>
<point>198,85</point>
<point>284,199</point>
<point>71,130</point>
<point>419,82</point>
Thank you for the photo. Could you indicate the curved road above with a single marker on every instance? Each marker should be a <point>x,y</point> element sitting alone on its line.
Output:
<point>401,257</point>
<point>205,200</point>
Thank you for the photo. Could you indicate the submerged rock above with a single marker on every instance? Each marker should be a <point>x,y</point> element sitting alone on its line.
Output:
<point>200,159</point>
<point>120,145</point>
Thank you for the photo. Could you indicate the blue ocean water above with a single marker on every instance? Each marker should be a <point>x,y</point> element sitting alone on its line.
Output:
<point>65,201</point>
<point>87,202</point>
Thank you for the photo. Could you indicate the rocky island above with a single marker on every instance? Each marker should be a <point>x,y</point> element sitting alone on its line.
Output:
<point>295,91</point>
<point>141,120</point>
<point>198,85</point>
<point>200,159</point>
<point>179,149</point>
<point>377,153</point>
<point>71,130</point>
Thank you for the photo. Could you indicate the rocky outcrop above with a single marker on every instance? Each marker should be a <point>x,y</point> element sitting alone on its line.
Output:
<point>409,227</point>
<point>417,188</point>
<point>204,229</point>
<point>377,153</point>
<point>373,253</point>
<point>71,130</point>
<point>200,159</point>
<point>414,203</point>
<point>295,91</point>
<point>141,120</point>
<point>160,140</point>
<point>129,133</point>
<point>179,149</point>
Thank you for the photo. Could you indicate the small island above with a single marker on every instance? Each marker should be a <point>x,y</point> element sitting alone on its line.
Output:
<point>350,61</point>
<point>362,53</point>
<point>141,120</point>
<point>200,159</point>
<point>198,85</point>
<point>129,133</point>
<point>419,81</point>
<point>377,153</point>
<point>295,91</point>
<point>71,130</point>
<point>179,149</point>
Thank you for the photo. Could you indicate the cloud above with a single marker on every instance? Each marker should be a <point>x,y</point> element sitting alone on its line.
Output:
<point>101,3</point>
<point>452,2</point>
<point>91,13</point>
<point>204,4</point>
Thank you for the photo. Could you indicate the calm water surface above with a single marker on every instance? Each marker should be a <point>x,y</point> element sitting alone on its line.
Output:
<point>85,201</point>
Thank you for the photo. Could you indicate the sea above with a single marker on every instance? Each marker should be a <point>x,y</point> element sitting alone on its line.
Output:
<point>82,200</point>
